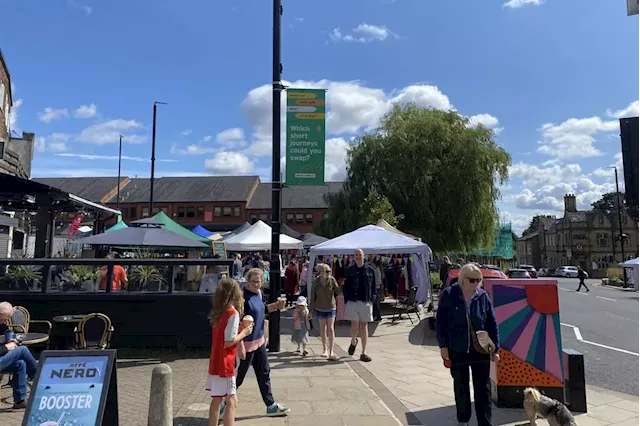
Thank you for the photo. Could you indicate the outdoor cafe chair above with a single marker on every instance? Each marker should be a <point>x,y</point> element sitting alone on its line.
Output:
<point>21,322</point>
<point>94,332</point>
<point>408,303</point>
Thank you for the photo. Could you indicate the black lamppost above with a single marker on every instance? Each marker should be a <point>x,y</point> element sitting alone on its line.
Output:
<point>621,235</point>
<point>119,169</point>
<point>276,184</point>
<point>153,155</point>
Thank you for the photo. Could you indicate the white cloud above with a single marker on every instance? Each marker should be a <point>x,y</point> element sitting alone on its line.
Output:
<point>86,111</point>
<point>192,149</point>
<point>51,114</point>
<point>40,144</point>
<point>632,110</point>
<point>487,120</point>
<point>363,33</point>
<point>57,142</point>
<point>229,163</point>
<point>514,4</point>
<point>15,113</point>
<point>113,157</point>
<point>79,5</point>
<point>545,187</point>
<point>574,137</point>
<point>230,135</point>
<point>186,132</point>
<point>207,138</point>
<point>351,109</point>
<point>110,131</point>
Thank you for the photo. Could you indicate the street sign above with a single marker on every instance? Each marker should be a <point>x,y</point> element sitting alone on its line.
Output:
<point>74,387</point>
<point>305,150</point>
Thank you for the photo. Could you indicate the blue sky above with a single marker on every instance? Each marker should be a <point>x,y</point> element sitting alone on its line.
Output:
<point>551,77</point>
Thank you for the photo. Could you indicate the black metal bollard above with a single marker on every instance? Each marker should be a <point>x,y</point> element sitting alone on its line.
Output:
<point>575,389</point>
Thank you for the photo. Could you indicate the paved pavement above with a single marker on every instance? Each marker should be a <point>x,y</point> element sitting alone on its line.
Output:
<point>607,324</point>
<point>404,384</point>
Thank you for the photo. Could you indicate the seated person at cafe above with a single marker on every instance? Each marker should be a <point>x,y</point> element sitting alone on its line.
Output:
<point>16,360</point>
<point>119,276</point>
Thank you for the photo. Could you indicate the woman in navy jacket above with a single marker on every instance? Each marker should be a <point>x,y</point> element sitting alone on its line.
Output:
<point>463,309</point>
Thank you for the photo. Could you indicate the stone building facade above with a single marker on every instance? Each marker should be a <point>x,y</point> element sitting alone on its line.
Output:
<point>589,239</point>
<point>16,153</point>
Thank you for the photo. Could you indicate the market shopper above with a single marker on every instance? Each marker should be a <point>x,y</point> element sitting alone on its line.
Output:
<point>464,310</point>
<point>359,295</point>
<point>324,291</point>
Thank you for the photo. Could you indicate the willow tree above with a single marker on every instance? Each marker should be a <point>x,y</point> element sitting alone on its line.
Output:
<point>441,174</point>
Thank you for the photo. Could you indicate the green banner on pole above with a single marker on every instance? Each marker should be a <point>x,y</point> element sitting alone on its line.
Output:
<point>305,136</point>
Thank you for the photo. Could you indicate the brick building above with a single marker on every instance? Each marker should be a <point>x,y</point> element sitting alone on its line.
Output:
<point>215,202</point>
<point>16,154</point>
<point>582,238</point>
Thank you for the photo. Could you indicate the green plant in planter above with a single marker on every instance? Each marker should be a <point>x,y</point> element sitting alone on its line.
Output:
<point>77,275</point>
<point>146,276</point>
<point>21,277</point>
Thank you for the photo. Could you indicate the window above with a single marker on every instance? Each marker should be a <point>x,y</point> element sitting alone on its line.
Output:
<point>236,211</point>
<point>200,212</point>
<point>289,217</point>
<point>226,211</point>
<point>600,220</point>
<point>217,212</point>
<point>160,209</point>
<point>191,212</point>
<point>2,107</point>
<point>254,218</point>
<point>182,212</point>
<point>309,217</point>
<point>145,212</point>
<point>326,216</point>
<point>299,218</point>
<point>602,239</point>
<point>264,217</point>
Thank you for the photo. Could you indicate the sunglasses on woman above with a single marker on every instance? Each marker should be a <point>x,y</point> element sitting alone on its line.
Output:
<point>475,280</point>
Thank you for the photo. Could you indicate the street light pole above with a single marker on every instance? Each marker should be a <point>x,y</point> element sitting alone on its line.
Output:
<point>276,184</point>
<point>621,234</point>
<point>119,169</point>
<point>153,156</point>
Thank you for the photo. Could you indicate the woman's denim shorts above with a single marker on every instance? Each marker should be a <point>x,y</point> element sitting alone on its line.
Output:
<point>325,314</point>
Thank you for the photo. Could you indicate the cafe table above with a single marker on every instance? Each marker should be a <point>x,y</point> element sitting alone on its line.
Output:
<point>27,339</point>
<point>63,332</point>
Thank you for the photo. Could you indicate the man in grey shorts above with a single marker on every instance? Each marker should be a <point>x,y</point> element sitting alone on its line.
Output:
<point>359,293</point>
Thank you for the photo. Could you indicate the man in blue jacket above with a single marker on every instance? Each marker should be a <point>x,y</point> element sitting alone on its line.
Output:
<point>360,292</point>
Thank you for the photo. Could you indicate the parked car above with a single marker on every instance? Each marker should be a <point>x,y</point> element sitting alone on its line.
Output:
<point>530,269</point>
<point>544,272</point>
<point>452,276</point>
<point>566,271</point>
<point>518,273</point>
<point>494,267</point>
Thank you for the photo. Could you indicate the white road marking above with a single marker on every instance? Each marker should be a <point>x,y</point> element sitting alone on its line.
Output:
<point>563,289</point>
<point>582,294</point>
<point>576,331</point>
<point>606,298</point>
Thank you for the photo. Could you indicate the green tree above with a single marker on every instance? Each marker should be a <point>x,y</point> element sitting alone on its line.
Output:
<point>438,172</point>
<point>608,203</point>
<point>533,226</point>
<point>376,207</point>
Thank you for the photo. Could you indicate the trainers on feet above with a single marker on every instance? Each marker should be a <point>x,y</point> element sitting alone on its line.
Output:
<point>352,347</point>
<point>365,358</point>
<point>277,410</point>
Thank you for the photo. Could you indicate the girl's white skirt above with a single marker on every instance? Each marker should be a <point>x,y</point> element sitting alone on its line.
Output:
<point>220,387</point>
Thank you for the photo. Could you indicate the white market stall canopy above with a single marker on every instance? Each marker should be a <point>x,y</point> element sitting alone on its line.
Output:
<point>373,239</point>
<point>258,238</point>
<point>635,265</point>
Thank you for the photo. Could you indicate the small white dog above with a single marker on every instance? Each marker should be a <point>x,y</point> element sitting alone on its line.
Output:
<point>555,412</point>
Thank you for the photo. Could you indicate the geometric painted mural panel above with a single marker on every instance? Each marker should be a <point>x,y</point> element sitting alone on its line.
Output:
<point>528,316</point>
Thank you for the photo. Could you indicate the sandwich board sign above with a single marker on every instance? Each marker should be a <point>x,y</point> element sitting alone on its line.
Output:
<point>74,388</point>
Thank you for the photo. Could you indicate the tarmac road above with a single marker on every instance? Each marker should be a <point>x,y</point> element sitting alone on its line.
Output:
<point>607,333</point>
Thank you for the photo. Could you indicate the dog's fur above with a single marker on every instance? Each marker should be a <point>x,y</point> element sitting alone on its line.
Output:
<point>555,412</point>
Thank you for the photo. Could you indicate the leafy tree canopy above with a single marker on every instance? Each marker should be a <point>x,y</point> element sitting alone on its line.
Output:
<point>439,173</point>
<point>608,203</point>
<point>376,207</point>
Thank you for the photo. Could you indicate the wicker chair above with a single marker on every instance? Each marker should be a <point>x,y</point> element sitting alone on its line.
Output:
<point>21,322</point>
<point>94,332</point>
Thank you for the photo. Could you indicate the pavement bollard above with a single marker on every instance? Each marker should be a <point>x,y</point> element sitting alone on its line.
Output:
<point>161,397</point>
<point>575,387</point>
